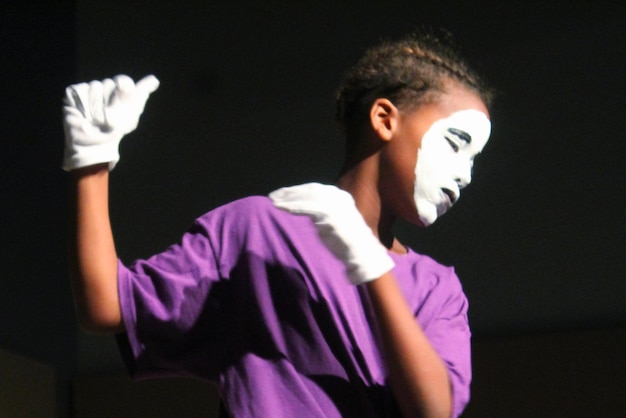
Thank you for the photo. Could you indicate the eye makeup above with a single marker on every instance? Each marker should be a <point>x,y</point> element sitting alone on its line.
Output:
<point>462,135</point>
<point>454,136</point>
<point>452,143</point>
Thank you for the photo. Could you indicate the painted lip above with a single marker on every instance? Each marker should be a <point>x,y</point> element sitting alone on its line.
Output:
<point>450,195</point>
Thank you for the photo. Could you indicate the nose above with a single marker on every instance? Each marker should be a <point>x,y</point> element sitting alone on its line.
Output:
<point>464,175</point>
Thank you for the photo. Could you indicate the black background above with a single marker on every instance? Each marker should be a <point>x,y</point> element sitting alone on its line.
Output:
<point>246,105</point>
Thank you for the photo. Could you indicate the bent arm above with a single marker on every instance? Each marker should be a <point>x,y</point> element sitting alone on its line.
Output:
<point>93,259</point>
<point>419,378</point>
<point>96,116</point>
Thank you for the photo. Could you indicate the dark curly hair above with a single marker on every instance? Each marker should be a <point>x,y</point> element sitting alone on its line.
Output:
<point>409,72</point>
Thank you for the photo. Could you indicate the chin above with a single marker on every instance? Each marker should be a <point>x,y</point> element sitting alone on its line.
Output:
<point>425,223</point>
<point>427,215</point>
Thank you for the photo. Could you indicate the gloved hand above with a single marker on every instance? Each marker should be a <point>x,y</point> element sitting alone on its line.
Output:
<point>98,114</point>
<point>341,227</point>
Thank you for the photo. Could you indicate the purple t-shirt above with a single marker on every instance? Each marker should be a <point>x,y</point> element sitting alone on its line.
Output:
<point>252,300</point>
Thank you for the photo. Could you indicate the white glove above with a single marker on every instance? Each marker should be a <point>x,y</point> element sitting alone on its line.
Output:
<point>341,227</point>
<point>98,114</point>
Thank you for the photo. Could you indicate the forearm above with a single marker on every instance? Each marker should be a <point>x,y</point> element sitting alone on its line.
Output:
<point>419,378</point>
<point>96,116</point>
<point>93,259</point>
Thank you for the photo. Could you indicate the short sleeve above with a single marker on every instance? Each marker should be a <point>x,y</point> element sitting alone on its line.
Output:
<point>449,333</point>
<point>165,302</point>
<point>440,306</point>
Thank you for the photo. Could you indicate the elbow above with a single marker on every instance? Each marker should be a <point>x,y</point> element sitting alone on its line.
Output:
<point>97,327</point>
<point>419,412</point>
<point>97,308</point>
<point>417,406</point>
<point>99,321</point>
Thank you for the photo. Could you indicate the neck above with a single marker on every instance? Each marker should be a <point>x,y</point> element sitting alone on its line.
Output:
<point>361,181</point>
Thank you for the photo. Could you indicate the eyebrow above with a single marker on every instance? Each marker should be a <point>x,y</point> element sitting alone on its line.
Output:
<point>462,135</point>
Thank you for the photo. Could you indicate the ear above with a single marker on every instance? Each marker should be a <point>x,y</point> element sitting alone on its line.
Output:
<point>384,118</point>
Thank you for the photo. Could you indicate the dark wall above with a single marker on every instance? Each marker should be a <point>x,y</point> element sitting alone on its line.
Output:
<point>36,314</point>
<point>245,106</point>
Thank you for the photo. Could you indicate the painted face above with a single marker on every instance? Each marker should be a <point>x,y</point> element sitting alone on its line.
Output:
<point>445,160</point>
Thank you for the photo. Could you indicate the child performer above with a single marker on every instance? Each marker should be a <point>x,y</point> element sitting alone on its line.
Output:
<point>303,303</point>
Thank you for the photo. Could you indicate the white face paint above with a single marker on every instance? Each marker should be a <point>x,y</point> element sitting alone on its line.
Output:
<point>445,160</point>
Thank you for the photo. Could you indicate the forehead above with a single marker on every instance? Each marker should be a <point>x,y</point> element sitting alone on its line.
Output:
<point>461,108</point>
<point>455,99</point>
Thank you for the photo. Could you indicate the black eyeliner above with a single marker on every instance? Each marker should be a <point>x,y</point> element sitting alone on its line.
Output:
<point>462,135</point>
<point>452,143</point>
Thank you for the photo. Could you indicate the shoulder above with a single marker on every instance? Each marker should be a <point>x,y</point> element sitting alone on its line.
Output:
<point>252,229</point>
<point>245,205</point>
<point>242,210</point>
<point>252,215</point>
<point>254,207</point>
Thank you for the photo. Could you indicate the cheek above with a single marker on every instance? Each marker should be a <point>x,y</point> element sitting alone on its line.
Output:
<point>398,179</point>
<point>432,161</point>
